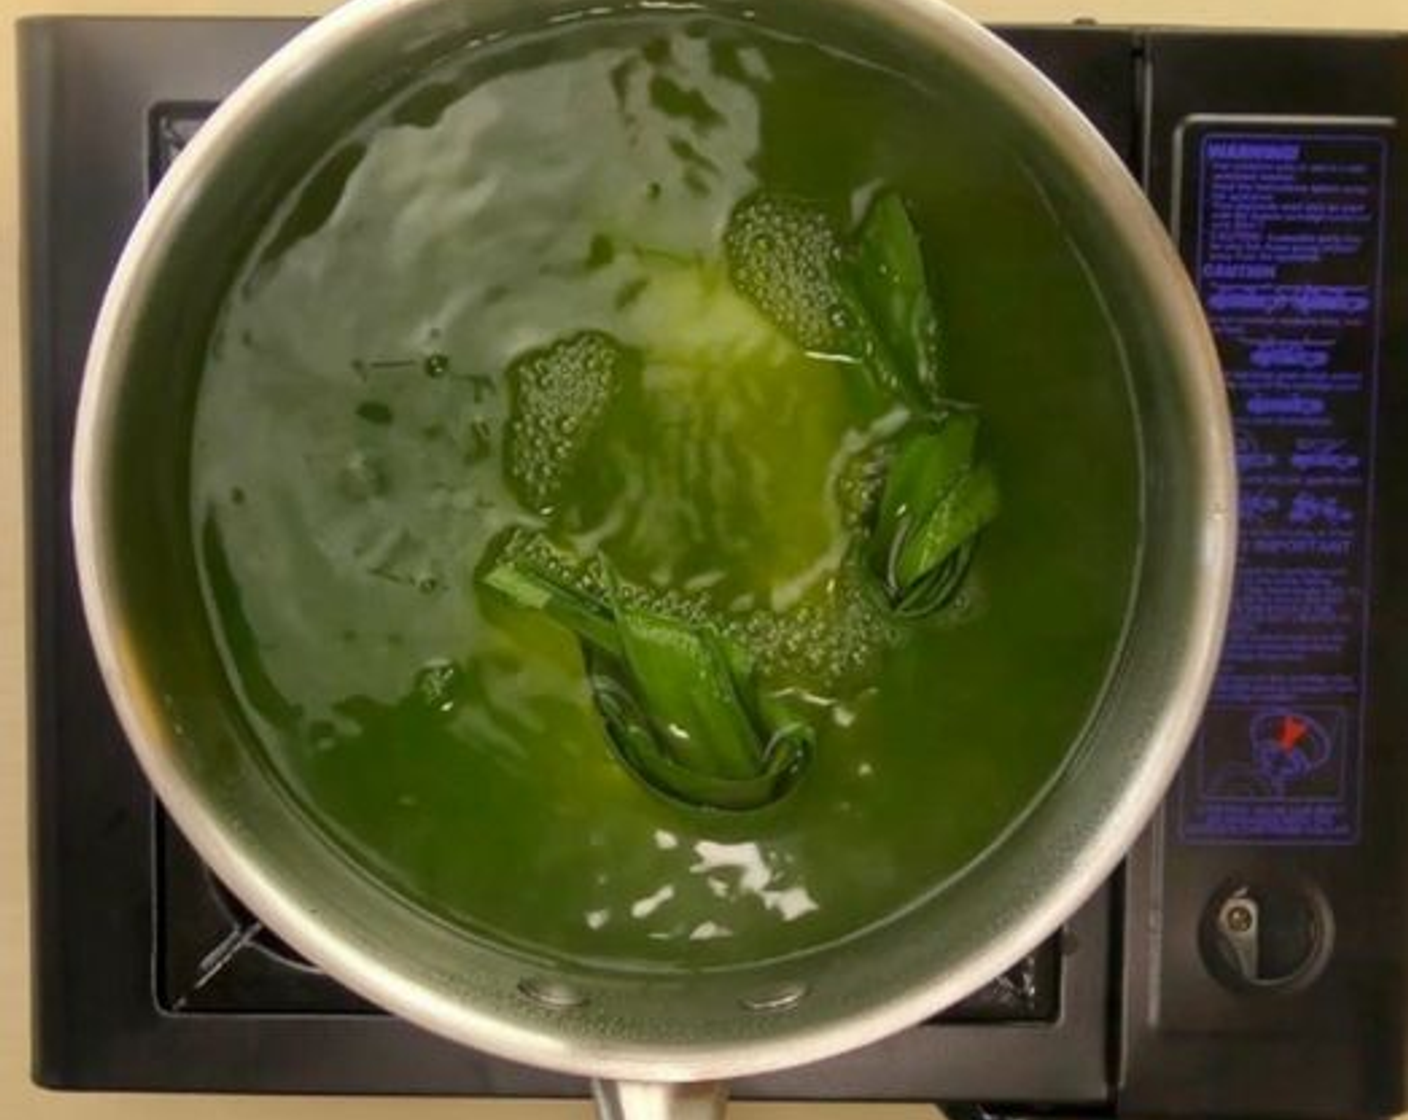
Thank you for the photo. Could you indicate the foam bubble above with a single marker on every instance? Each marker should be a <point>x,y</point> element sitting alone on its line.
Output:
<point>782,254</point>
<point>860,481</point>
<point>834,642</point>
<point>559,396</point>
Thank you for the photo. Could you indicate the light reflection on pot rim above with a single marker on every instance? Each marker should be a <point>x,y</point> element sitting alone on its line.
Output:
<point>1077,861</point>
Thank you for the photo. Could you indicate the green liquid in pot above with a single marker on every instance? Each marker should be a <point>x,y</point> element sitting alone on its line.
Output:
<point>360,451</point>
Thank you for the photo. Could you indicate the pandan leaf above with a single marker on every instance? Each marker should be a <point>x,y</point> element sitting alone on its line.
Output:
<point>535,587</point>
<point>936,588</point>
<point>868,301</point>
<point>965,508</point>
<point>680,702</point>
<point>887,275</point>
<point>682,679</point>
<point>638,746</point>
<point>935,502</point>
<point>928,462</point>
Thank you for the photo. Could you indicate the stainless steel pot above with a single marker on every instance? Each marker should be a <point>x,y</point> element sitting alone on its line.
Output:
<point>661,1046</point>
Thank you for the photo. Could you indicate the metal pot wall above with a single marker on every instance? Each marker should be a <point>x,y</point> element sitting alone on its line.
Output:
<point>665,1045</point>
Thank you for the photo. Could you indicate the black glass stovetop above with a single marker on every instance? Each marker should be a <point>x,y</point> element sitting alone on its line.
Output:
<point>1156,998</point>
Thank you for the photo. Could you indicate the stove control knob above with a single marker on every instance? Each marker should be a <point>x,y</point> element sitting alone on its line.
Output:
<point>1265,936</point>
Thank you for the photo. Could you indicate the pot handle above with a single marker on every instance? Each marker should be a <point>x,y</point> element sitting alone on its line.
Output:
<point>660,1100</point>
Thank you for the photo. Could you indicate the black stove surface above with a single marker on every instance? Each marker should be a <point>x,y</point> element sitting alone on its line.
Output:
<point>149,974</point>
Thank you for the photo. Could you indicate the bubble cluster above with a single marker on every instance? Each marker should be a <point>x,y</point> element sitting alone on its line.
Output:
<point>859,484</point>
<point>833,644</point>
<point>782,255</point>
<point>589,577</point>
<point>533,550</point>
<point>559,395</point>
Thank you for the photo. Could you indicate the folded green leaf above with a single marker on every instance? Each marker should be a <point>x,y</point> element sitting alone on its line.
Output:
<point>680,702</point>
<point>936,588</point>
<point>635,741</point>
<point>935,502</point>
<point>868,301</point>
<point>683,680</point>
<point>929,461</point>
<point>887,275</point>
<point>965,508</point>
<point>671,763</point>
<point>537,587</point>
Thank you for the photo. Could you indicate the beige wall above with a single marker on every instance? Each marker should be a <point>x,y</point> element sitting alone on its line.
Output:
<point>17,1098</point>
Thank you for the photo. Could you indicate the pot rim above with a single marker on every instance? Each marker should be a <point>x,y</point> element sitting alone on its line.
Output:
<point>1101,176</point>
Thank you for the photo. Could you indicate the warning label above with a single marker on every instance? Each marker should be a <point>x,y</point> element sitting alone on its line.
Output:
<point>1284,237</point>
